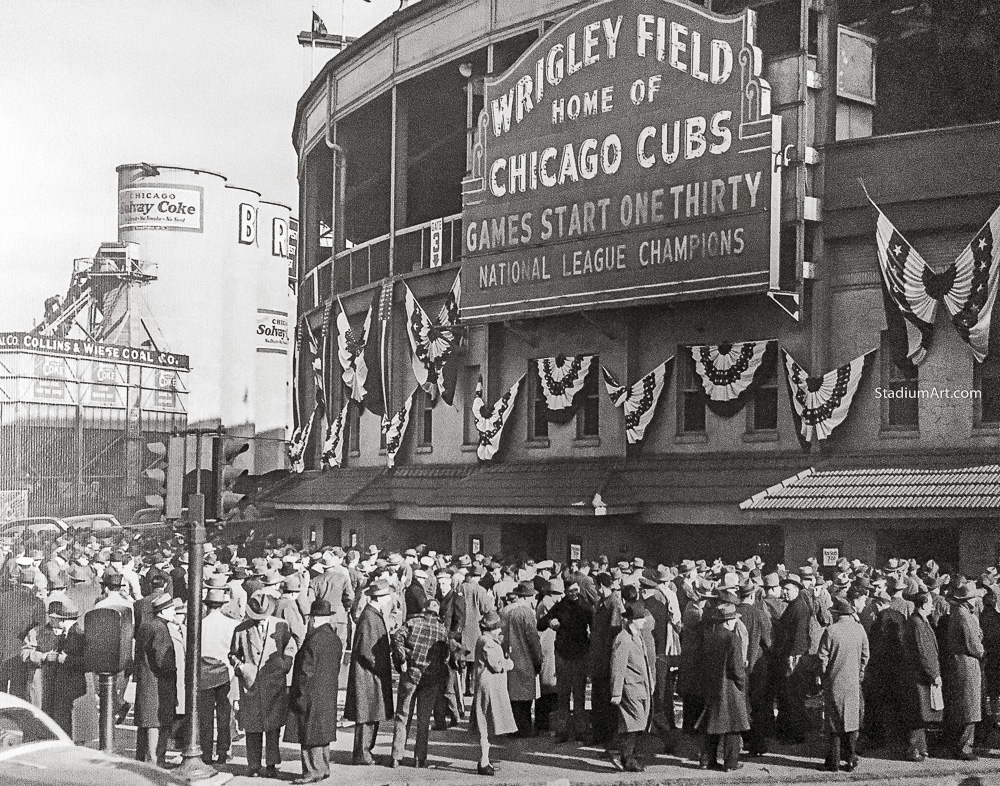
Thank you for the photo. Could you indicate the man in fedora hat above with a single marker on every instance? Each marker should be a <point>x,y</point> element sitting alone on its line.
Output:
<point>472,602</point>
<point>156,682</point>
<point>215,672</point>
<point>571,619</point>
<point>791,642</point>
<point>963,671</point>
<point>725,680</point>
<point>605,626</point>
<point>288,609</point>
<point>82,589</point>
<point>524,648</point>
<point>335,586</point>
<point>843,657</point>
<point>664,607</point>
<point>369,681</point>
<point>53,656</point>
<point>760,641</point>
<point>262,653</point>
<point>313,694</point>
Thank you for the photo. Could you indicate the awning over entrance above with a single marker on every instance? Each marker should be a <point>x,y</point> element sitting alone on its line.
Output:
<point>329,490</point>
<point>894,490</point>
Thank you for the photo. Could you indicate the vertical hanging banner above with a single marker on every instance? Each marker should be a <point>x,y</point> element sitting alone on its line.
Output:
<point>629,156</point>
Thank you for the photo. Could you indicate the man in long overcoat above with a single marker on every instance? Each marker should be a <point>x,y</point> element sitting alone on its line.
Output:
<point>262,654</point>
<point>369,681</point>
<point>524,648</point>
<point>725,717</point>
<point>313,696</point>
<point>843,657</point>
<point>887,689</point>
<point>155,670</point>
<point>923,671</point>
<point>963,673</point>
<point>53,654</point>
<point>632,684</point>
<point>450,705</point>
<point>472,602</point>
<point>605,627</point>
<point>791,641</point>
<point>760,640</point>
<point>20,610</point>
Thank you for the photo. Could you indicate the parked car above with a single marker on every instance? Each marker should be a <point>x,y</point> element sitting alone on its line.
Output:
<point>34,751</point>
<point>41,527</point>
<point>100,524</point>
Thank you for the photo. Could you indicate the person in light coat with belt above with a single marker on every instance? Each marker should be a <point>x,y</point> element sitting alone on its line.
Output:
<point>491,710</point>
<point>963,672</point>
<point>523,646</point>
<point>631,685</point>
<point>843,656</point>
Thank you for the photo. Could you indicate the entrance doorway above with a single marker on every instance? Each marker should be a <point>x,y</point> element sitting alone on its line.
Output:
<point>940,544</point>
<point>520,542</point>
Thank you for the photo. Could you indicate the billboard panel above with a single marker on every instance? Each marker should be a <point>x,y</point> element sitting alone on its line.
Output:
<point>161,206</point>
<point>629,156</point>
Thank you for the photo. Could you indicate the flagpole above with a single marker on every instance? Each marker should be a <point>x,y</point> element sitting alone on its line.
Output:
<point>343,30</point>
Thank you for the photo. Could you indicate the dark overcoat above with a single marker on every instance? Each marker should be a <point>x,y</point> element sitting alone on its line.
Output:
<point>923,666</point>
<point>53,687</point>
<point>262,652</point>
<point>20,611</point>
<point>725,682</point>
<point>989,621</point>
<point>313,696</point>
<point>843,657</point>
<point>760,639</point>
<point>155,671</point>
<point>369,681</point>
<point>963,701</point>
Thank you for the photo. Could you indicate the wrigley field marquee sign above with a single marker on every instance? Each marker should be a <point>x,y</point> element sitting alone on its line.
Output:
<point>627,157</point>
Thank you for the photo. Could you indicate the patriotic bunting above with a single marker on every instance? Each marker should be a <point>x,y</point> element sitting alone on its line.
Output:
<point>820,404</point>
<point>333,445</point>
<point>351,350</point>
<point>433,342</point>
<point>973,294</point>
<point>376,354</point>
<point>639,399</point>
<point>728,372</point>
<point>300,436</point>
<point>299,441</point>
<point>562,381</point>
<point>394,429</point>
<point>491,420</point>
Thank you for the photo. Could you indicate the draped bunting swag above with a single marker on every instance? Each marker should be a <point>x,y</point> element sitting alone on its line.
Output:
<point>299,441</point>
<point>351,351</point>
<point>562,381</point>
<point>490,421</point>
<point>300,436</point>
<point>911,291</point>
<point>394,429</point>
<point>639,399</point>
<point>433,342</point>
<point>375,355</point>
<point>820,404</point>
<point>333,445</point>
<point>729,372</point>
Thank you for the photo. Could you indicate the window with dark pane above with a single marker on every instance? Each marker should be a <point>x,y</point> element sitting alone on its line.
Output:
<point>469,434</point>
<point>900,407</point>
<point>588,416</point>
<point>426,419</point>
<point>690,396</point>
<point>986,382</point>
<point>764,400</point>
<point>538,426</point>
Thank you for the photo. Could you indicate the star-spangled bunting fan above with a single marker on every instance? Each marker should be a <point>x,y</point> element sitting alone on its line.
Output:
<point>394,429</point>
<point>376,354</point>
<point>820,404</point>
<point>972,297</point>
<point>728,372</point>
<point>333,445</point>
<point>297,424</point>
<point>351,350</point>
<point>299,441</point>
<point>910,289</point>
<point>561,381</point>
<point>491,420</point>
<point>433,342</point>
<point>638,399</point>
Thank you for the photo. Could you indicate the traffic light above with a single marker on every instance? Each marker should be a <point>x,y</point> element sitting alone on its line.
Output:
<point>220,498</point>
<point>166,477</point>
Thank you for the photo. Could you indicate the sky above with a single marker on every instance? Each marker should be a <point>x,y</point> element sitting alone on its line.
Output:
<point>87,85</point>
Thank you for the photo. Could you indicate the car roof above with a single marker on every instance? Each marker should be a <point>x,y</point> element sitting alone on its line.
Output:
<point>34,520</point>
<point>7,701</point>
<point>89,517</point>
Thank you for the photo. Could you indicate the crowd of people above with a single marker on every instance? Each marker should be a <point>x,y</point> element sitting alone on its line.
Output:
<point>729,652</point>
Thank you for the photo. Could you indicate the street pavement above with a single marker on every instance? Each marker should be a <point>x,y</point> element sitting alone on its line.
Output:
<point>543,761</point>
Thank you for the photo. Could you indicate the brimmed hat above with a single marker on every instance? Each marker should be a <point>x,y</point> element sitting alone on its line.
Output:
<point>395,559</point>
<point>664,574</point>
<point>260,605</point>
<point>634,610</point>
<point>476,569</point>
<point>791,578</point>
<point>292,583</point>
<point>490,621</point>
<point>64,610</point>
<point>272,578</point>
<point>216,581</point>
<point>161,601</point>
<point>772,580</point>
<point>841,606</point>
<point>216,595</point>
<point>379,589</point>
<point>897,584</point>
<point>963,592</point>
<point>321,608</point>
<point>78,573</point>
<point>687,566</point>
<point>555,587</point>
<point>410,553</point>
<point>427,562</point>
<point>726,611</point>
<point>638,562</point>
<point>112,578</point>
<point>525,589</point>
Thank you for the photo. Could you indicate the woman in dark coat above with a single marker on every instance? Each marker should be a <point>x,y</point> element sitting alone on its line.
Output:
<point>923,670</point>
<point>989,621</point>
<point>962,673</point>
<point>313,695</point>
<point>725,716</point>
<point>155,673</point>
<point>369,681</point>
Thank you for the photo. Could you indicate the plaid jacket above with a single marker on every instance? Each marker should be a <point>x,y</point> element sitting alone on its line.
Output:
<point>422,644</point>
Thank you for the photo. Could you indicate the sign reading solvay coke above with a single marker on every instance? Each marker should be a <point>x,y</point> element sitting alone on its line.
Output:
<point>161,206</point>
<point>628,157</point>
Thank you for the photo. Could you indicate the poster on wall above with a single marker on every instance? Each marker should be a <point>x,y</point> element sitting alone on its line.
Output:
<point>161,206</point>
<point>50,379</point>
<point>628,157</point>
<point>272,331</point>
